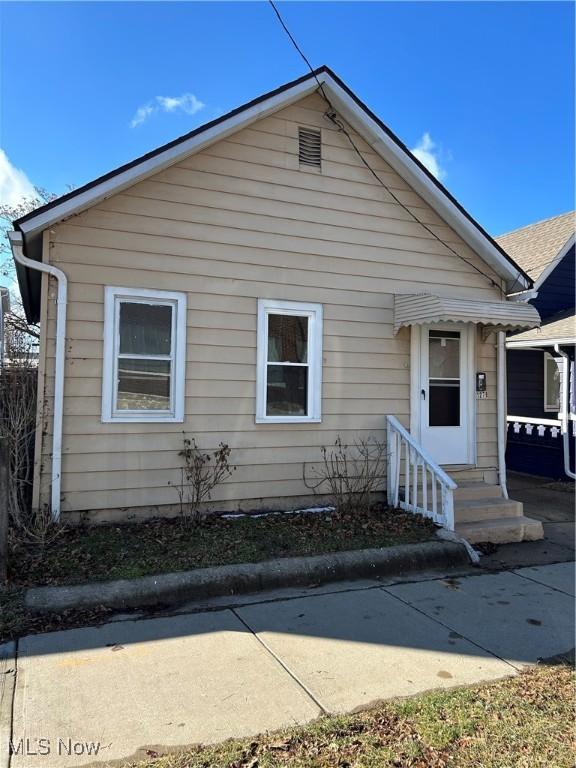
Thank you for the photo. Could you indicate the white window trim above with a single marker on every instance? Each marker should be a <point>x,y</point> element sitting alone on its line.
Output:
<point>314,314</point>
<point>112,298</point>
<point>560,363</point>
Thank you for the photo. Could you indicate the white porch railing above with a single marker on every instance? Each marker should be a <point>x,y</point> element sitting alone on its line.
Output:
<point>529,424</point>
<point>415,482</point>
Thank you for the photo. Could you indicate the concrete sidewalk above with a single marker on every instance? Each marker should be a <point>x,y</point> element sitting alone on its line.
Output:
<point>161,683</point>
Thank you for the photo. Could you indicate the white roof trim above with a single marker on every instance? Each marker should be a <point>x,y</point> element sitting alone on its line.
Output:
<point>535,344</point>
<point>555,262</point>
<point>421,309</point>
<point>357,117</point>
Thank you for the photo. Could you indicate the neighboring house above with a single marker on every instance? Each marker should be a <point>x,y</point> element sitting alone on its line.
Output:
<point>541,379</point>
<point>253,283</point>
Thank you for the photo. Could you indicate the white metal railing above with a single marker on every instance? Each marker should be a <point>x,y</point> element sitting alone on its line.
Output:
<point>416,482</point>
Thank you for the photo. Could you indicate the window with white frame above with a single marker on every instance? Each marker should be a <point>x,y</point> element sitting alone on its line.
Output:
<point>144,355</point>
<point>553,368</point>
<point>289,376</point>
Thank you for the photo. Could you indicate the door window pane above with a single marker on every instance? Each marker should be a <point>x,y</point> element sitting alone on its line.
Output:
<point>287,390</point>
<point>444,356</point>
<point>444,378</point>
<point>143,384</point>
<point>444,403</point>
<point>287,339</point>
<point>145,329</point>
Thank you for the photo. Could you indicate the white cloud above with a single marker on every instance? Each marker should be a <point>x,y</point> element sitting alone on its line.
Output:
<point>14,184</point>
<point>187,103</point>
<point>142,114</point>
<point>427,152</point>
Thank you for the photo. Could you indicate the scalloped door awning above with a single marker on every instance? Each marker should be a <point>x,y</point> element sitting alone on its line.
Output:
<point>420,309</point>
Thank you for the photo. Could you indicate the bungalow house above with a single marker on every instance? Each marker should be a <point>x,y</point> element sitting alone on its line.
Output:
<point>281,276</point>
<point>541,379</point>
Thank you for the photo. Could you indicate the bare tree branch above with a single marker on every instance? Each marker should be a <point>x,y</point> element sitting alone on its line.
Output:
<point>15,321</point>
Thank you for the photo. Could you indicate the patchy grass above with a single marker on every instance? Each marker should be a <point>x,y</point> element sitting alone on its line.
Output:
<point>523,722</point>
<point>127,551</point>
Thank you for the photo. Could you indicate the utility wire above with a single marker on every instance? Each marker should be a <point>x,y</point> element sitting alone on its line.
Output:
<point>332,115</point>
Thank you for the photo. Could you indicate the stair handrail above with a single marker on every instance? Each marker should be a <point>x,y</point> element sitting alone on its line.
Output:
<point>417,458</point>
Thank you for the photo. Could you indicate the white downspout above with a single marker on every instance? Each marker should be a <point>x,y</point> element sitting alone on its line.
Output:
<point>501,412</point>
<point>564,410</point>
<point>17,250</point>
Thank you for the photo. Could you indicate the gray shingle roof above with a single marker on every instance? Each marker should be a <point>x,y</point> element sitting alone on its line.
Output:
<point>559,326</point>
<point>533,247</point>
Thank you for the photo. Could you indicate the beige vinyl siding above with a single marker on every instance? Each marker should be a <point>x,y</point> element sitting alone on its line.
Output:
<point>237,222</point>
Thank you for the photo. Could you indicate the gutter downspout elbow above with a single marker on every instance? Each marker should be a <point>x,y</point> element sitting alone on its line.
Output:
<point>564,412</point>
<point>17,245</point>
<point>501,413</point>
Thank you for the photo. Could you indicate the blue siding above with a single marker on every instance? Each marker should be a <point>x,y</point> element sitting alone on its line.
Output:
<point>526,383</point>
<point>557,293</point>
<point>533,454</point>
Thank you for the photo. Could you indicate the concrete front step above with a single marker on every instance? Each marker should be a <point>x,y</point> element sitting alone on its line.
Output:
<point>503,531</point>
<point>476,489</point>
<point>490,508</point>
<point>470,490</point>
<point>462,473</point>
<point>482,514</point>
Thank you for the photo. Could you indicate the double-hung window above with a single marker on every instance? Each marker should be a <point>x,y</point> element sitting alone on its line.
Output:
<point>289,376</point>
<point>554,368</point>
<point>144,355</point>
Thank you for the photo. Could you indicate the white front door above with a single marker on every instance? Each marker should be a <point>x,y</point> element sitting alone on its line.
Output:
<point>446,396</point>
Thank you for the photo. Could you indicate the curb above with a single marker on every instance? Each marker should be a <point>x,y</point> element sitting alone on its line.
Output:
<point>7,690</point>
<point>173,588</point>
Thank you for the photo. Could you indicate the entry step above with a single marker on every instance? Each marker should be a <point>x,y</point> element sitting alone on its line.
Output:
<point>488,508</point>
<point>503,531</point>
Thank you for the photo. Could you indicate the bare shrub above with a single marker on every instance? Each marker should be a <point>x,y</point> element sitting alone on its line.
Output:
<point>201,473</point>
<point>18,392</point>
<point>349,474</point>
<point>17,427</point>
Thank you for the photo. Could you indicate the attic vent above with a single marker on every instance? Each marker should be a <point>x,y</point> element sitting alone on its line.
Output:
<point>309,147</point>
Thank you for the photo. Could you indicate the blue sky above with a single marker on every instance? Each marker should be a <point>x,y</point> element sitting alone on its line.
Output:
<point>492,84</point>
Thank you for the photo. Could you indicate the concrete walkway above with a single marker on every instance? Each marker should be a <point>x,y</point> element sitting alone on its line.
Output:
<point>274,660</point>
<point>554,505</point>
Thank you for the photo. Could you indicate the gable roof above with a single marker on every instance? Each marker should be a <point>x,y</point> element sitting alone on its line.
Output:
<point>536,246</point>
<point>558,329</point>
<point>349,107</point>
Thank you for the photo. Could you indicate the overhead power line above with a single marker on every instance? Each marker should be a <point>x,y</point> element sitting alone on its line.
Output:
<point>333,116</point>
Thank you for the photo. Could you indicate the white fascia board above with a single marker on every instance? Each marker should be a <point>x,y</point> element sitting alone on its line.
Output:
<point>555,262</point>
<point>387,148</point>
<point>164,159</point>
<point>533,344</point>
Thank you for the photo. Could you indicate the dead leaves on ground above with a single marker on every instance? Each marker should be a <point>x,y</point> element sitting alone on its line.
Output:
<point>486,726</point>
<point>92,553</point>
